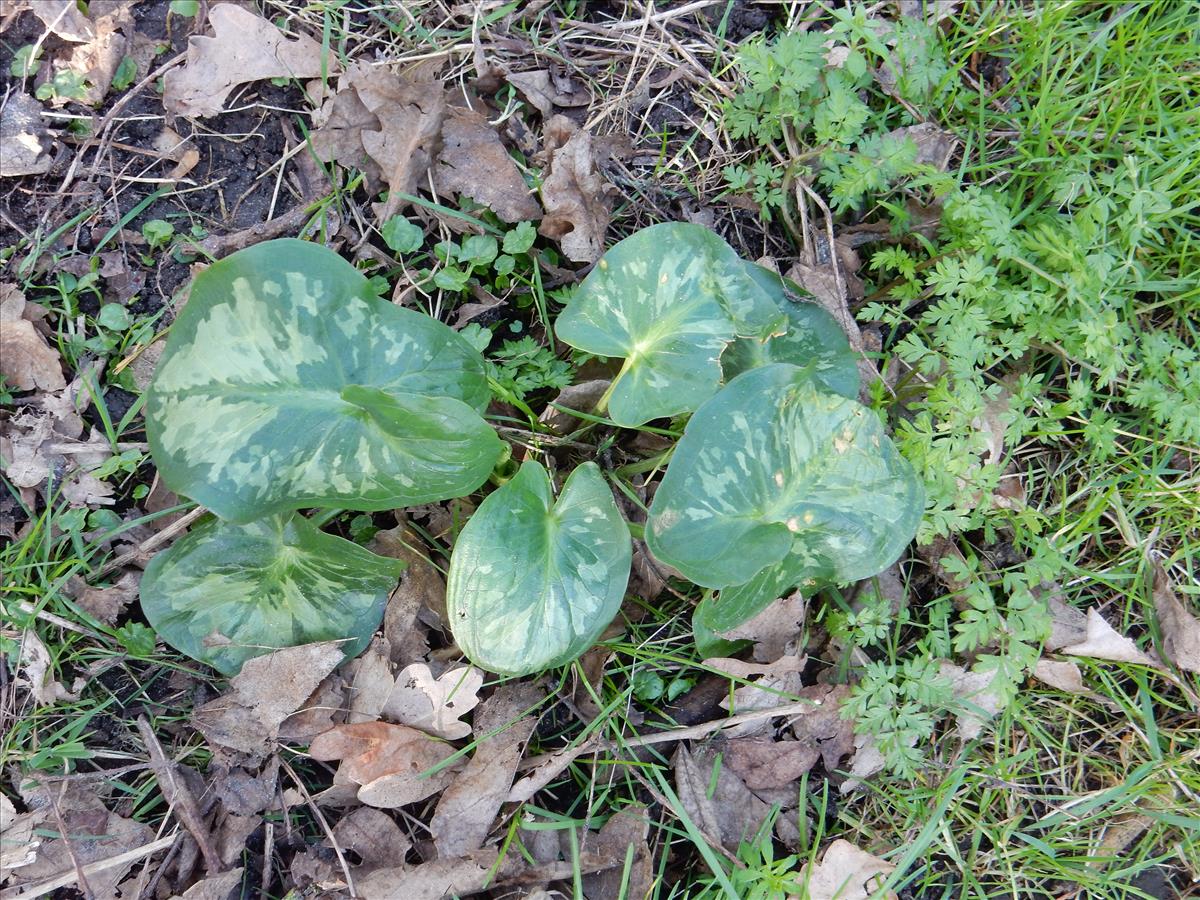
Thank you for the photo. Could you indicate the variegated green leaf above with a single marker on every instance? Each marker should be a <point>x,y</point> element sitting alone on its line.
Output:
<point>286,383</point>
<point>668,299</point>
<point>773,470</point>
<point>813,339</point>
<point>533,582</point>
<point>225,593</point>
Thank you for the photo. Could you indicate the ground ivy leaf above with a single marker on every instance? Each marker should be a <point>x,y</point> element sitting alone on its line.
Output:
<point>286,383</point>
<point>773,467</point>
<point>225,593</point>
<point>813,338</point>
<point>533,582</point>
<point>668,300</point>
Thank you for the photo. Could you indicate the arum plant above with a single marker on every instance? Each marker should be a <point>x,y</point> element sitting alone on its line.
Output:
<point>287,384</point>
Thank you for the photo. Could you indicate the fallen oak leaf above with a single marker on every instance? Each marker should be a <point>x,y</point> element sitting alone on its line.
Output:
<point>374,836</point>
<point>390,763</point>
<point>243,47</point>
<point>434,705</point>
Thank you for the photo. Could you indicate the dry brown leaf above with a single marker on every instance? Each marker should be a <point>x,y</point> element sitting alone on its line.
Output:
<point>27,361</point>
<point>421,588</point>
<point>373,681</point>
<point>1068,625</point>
<point>96,835</point>
<point>64,19</point>
<point>473,163</point>
<point>1180,629</point>
<point>374,836</point>
<point>218,887</point>
<point>730,813</point>
<point>935,146</point>
<point>536,88</point>
<point>433,880</point>
<point>1102,642</point>
<point>97,59</point>
<point>774,683</point>
<point>105,604</point>
<point>410,114</point>
<point>582,397</point>
<point>26,147</point>
<point>576,199</point>
<point>434,705</point>
<point>629,827</point>
<point>267,690</point>
<point>388,762</point>
<point>773,628</point>
<point>973,691</point>
<point>469,806</point>
<point>341,121</point>
<point>1061,674</point>
<point>243,47</point>
<point>820,734</point>
<point>35,669</point>
<point>846,873</point>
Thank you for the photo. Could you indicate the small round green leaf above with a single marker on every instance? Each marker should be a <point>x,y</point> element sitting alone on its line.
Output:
<point>774,468</point>
<point>813,339</point>
<point>532,582</point>
<point>667,299</point>
<point>286,383</point>
<point>225,593</point>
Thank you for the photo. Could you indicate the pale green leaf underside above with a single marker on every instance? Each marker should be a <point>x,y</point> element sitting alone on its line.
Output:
<point>225,593</point>
<point>258,405</point>
<point>813,339</point>
<point>533,582</point>
<point>773,468</point>
<point>668,300</point>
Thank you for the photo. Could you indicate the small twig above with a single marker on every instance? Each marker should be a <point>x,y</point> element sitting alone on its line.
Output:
<point>180,797</point>
<point>550,765</point>
<point>153,541</point>
<point>222,245</point>
<point>324,823</point>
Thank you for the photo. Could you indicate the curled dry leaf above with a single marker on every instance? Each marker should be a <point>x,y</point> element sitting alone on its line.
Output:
<point>468,807</point>
<point>473,163</point>
<point>388,762</point>
<point>576,198</point>
<point>27,362</point>
<point>434,705</point>
<point>19,847</point>
<point>535,87</point>
<point>421,587</point>
<point>267,690</point>
<point>773,628</point>
<point>64,19</point>
<point>105,604</point>
<point>97,59</point>
<point>1180,628</point>
<point>846,873</point>
<point>1102,642</point>
<point>27,147</point>
<point>244,47</point>
<point>774,683</point>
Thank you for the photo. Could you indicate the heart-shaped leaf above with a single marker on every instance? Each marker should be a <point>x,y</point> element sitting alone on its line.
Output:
<point>668,299</point>
<point>286,383</point>
<point>532,582</point>
<point>225,593</point>
<point>773,470</point>
<point>813,339</point>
